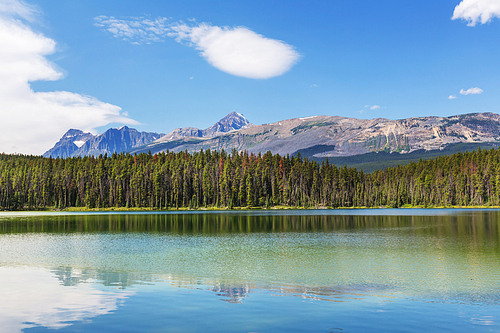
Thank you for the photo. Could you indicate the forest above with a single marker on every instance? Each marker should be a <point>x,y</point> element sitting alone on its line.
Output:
<point>218,179</point>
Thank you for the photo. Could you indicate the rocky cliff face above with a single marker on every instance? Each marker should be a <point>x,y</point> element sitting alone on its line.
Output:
<point>77,143</point>
<point>329,136</point>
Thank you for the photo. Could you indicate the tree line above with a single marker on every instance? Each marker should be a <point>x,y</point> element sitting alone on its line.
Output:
<point>238,179</point>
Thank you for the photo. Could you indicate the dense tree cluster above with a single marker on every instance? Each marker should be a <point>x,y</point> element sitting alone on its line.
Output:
<point>227,180</point>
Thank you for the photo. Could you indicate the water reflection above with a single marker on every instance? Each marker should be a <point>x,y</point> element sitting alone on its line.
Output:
<point>36,297</point>
<point>442,254</point>
<point>61,297</point>
<point>56,270</point>
<point>231,294</point>
<point>341,293</point>
<point>69,276</point>
<point>480,225</point>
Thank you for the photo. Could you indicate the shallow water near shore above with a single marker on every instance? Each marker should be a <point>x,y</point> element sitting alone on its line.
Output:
<point>383,270</point>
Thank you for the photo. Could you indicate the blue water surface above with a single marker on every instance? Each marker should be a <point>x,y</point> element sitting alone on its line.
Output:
<point>400,270</point>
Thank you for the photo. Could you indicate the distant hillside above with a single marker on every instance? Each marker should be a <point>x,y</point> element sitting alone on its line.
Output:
<point>381,160</point>
<point>368,144</point>
<point>333,136</point>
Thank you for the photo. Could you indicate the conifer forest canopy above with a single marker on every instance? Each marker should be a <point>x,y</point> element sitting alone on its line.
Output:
<point>226,180</point>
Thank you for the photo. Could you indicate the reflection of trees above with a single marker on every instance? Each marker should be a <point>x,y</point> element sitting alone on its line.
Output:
<point>449,253</point>
<point>479,226</point>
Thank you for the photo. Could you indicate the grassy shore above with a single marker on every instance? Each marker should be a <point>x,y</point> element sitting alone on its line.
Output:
<point>181,209</point>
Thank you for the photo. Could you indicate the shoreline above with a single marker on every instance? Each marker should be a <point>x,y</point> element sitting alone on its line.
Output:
<point>204,209</point>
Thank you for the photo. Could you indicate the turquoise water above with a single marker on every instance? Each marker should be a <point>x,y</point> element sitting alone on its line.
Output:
<point>281,271</point>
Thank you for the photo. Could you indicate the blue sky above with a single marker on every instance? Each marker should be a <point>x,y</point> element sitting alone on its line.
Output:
<point>158,65</point>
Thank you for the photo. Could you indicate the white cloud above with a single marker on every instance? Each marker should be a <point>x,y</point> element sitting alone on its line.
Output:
<point>235,50</point>
<point>471,91</point>
<point>370,107</point>
<point>474,11</point>
<point>238,51</point>
<point>35,297</point>
<point>452,97</point>
<point>136,30</point>
<point>31,122</point>
<point>18,8</point>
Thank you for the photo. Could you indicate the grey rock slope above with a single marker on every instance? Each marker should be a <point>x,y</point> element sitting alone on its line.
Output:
<point>334,136</point>
<point>76,143</point>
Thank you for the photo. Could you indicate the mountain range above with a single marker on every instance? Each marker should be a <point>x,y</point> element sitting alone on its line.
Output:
<point>232,122</point>
<point>124,139</point>
<point>316,137</point>
<point>77,143</point>
<point>334,136</point>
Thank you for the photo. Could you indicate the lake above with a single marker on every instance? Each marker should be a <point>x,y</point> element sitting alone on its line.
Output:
<point>382,270</point>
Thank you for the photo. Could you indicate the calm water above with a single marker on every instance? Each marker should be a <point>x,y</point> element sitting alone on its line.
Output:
<point>283,271</point>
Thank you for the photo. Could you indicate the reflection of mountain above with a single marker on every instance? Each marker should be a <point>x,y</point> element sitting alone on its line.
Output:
<point>339,293</point>
<point>69,276</point>
<point>59,298</point>
<point>229,291</point>
<point>447,253</point>
<point>232,294</point>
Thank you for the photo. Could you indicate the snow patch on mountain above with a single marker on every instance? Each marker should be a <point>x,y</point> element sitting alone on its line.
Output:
<point>79,143</point>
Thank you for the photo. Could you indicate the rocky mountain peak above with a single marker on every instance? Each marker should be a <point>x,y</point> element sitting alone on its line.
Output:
<point>232,122</point>
<point>70,142</point>
<point>77,143</point>
<point>72,133</point>
<point>235,119</point>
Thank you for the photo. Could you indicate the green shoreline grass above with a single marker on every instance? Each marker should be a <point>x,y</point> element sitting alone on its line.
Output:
<point>201,209</point>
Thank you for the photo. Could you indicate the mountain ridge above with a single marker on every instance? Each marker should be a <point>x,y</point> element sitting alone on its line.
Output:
<point>234,121</point>
<point>336,136</point>
<point>78,143</point>
<point>315,136</point>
